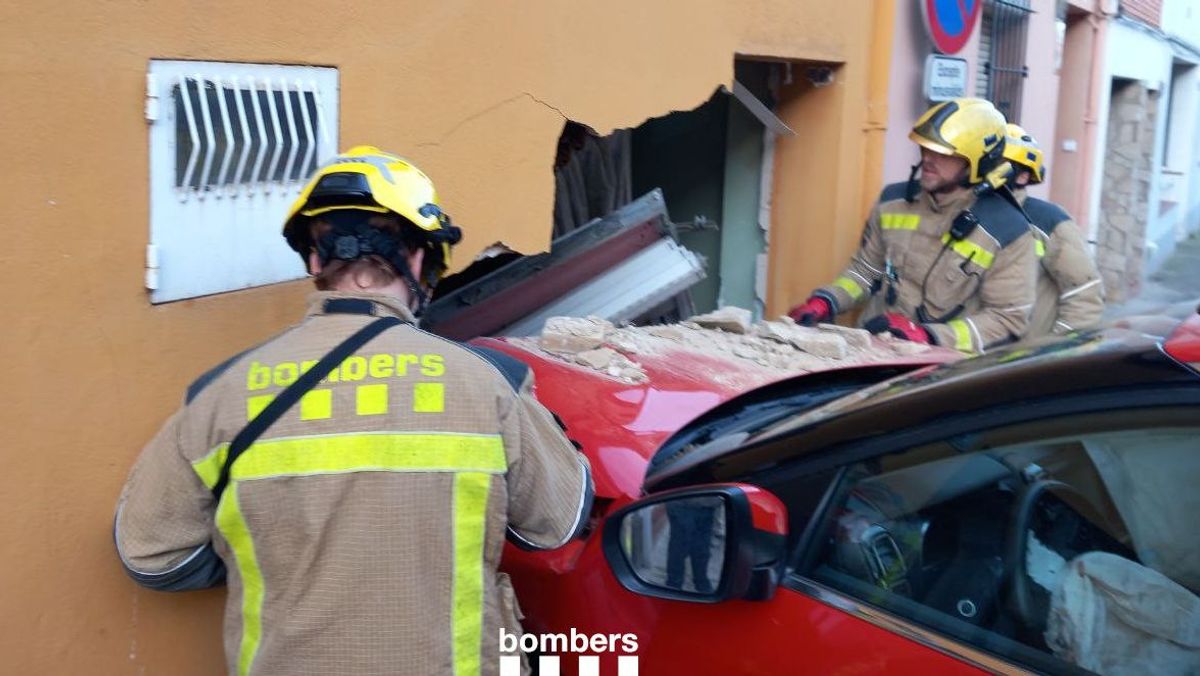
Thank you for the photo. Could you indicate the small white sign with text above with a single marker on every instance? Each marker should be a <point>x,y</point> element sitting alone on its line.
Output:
<point>945,77</point>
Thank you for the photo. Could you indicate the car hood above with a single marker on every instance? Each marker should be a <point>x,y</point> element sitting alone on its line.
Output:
<point>620,422</point>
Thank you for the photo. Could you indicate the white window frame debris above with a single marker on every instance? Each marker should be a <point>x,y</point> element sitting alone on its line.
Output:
<point>645,280</point>
<point>231,145</point>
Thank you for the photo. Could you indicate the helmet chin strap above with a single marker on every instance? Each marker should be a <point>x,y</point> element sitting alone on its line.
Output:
<point>350,239</point>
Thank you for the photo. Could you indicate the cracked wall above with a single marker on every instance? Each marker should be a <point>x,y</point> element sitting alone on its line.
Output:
<point>474,92</point>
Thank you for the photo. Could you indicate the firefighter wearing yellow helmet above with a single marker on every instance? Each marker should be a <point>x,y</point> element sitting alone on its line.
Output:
<point>330,220</point>
<point>354,478</point>
<point>946,257</point>
<point>1070,295</point>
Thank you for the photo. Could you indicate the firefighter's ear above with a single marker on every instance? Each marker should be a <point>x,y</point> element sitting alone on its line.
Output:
<point>314,263</point>
<point>416,260</point>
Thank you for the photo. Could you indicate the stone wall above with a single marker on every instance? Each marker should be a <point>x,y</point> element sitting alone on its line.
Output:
<point>1124,203</point>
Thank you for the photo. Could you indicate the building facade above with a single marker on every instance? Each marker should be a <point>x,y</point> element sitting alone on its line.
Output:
<point>1129,137</point>
<point>130,128</point>
<point>1011,61</point>
<point>1109,89</point>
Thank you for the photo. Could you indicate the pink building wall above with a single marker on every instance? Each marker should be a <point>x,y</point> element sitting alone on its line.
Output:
<point>1039,104</point>
<point>906,101</point>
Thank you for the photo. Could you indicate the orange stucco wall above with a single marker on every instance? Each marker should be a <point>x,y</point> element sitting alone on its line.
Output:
<point>474,92</point>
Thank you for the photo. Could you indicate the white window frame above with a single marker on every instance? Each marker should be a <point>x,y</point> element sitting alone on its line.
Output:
<point>252,134</point>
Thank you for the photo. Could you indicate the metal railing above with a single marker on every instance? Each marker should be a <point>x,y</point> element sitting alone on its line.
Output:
<point>1007,23</point>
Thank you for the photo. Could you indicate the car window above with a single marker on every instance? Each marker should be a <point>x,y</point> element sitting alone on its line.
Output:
<point>1073,550</point>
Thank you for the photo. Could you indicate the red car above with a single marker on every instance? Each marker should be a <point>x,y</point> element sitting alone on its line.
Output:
<point>905,517</point>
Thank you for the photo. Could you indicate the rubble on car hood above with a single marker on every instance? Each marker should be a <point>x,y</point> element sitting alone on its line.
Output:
<point>728,334</point>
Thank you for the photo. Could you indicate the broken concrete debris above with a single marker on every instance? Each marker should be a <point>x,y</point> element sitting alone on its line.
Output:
<point>615,364</point>
<point>729,318</point>
<point>727,334</point>
<point>813,341</point>
<point>856,338</point>
<point>572,335</point>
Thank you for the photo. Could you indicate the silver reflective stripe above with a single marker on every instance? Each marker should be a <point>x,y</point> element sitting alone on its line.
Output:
<point>1016,308</point>
<point>975,335</point>
<point>580,516</point>
<point>873,268</point>
<point>378,161</point>
<point>125,560</point>
<point>1077,289</point>
<point>867,283</point>
<point>582,508</point>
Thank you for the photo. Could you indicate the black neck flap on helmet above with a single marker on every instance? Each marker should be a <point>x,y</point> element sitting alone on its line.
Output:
<point>352,237</point>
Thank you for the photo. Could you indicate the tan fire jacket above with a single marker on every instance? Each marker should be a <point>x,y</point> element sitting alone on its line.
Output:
<point>1070,295</point>
<point>362,531</point>
<point>976,292</point>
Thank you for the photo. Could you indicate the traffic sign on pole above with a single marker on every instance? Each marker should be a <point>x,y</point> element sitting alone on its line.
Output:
<point>950,22</point>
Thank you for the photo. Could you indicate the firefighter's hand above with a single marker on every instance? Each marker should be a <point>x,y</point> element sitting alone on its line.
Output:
<point>812,311</point>
<point>899,326</point>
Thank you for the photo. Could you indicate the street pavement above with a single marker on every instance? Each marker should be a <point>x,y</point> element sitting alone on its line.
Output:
<point>1173,290</point>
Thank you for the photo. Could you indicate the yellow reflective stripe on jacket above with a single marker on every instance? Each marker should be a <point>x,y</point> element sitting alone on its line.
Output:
<point>962,335</point>
<point>470,523</point>
<point>899,221</point>
<point>474,458</point>
<point>849,286</point>
<point>370,452</point>
<point>208,468</point>
<point>232,525</point>
<point>345,453</point>
<point>970,250</point>
<point>1040,247</point>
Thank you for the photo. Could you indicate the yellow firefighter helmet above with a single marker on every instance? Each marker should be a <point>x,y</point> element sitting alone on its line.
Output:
<point>968,128</point>
<point>366,178</point>
<point>1023,150</point>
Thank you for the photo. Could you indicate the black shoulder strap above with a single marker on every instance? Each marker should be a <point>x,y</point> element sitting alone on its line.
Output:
<point>514,370</point>
<point>1002,219</point>
<point>289,396</point>
<point>894,191</point>
<point>1045,215</point>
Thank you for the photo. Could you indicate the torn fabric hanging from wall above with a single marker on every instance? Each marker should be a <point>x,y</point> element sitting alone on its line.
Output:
<point>592,176</point>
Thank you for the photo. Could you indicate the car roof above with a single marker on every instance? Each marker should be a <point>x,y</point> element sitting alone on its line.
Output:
<point>1083,363</point>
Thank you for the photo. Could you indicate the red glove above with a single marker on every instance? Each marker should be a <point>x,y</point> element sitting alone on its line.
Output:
<point>899,326</point>
<point>813,310</point>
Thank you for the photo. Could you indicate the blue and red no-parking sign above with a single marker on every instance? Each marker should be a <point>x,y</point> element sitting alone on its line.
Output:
<point>950,22</point>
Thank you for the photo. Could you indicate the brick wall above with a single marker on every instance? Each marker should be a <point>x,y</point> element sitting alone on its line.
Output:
<point>1147,11</point>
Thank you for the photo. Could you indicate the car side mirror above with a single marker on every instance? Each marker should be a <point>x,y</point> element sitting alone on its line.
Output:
<point>704,544</point>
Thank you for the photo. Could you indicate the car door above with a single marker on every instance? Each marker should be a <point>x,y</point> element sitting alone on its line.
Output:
<point>999,545</point>
<point>683,628</point>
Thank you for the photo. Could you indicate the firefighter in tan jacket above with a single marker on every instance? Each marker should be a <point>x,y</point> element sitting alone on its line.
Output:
<point>1070,295</point>
<point>361,531</point>
<point>952,263</point>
